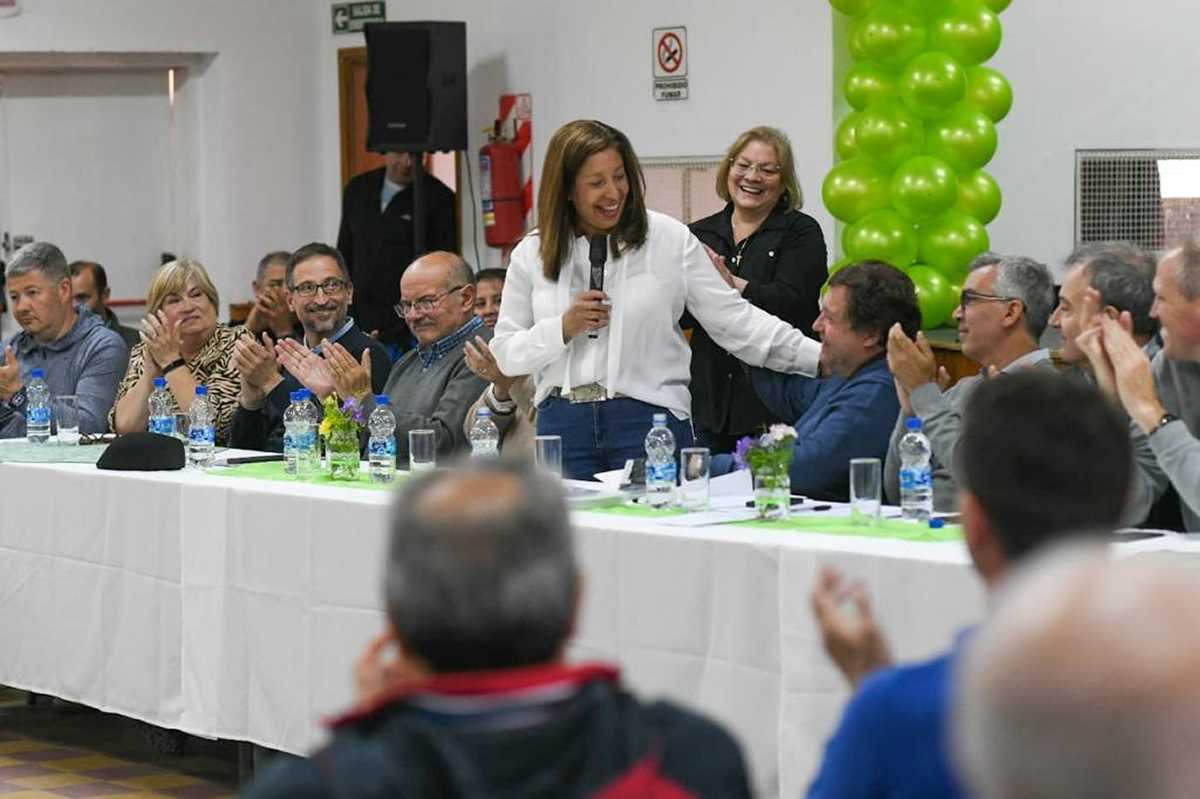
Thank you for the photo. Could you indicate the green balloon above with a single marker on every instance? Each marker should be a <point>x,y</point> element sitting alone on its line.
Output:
<point>889,133</point>
<point>867,83</point>
<point>965,139</point>
<point>949,242</point>
<point>978,196</point>
<point>997,5</point>
<point>853,7</point>
<point>846,138</point>
<point>923,188</point>
<point>925,8</point>
<point>935,295</point>
<point>968,31</point>
<point>889,34</point>
<point>990,92</point>
<point>855,188</point>
<point>931,84</point>
<point>881,236</point>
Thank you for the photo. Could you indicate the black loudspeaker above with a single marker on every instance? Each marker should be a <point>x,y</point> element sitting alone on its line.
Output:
<point>416,86</point>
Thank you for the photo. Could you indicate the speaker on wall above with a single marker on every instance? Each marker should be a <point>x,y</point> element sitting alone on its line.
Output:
<point>416,86</point>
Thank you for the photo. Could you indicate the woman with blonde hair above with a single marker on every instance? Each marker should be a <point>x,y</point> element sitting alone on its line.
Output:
<point>604,360</point>
<point>769,252</point>
<point>183,342</point>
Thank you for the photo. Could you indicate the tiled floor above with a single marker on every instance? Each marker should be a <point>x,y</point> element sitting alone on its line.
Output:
<point>53,749</point>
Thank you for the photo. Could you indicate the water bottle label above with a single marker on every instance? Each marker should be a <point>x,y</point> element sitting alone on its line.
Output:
<point>38,416</point>
<point>915,479</point>
<point>201,435</point>
<point>386,446</point>
<point>291,441</point>
<point>163,425</point>
<point>660,472</point>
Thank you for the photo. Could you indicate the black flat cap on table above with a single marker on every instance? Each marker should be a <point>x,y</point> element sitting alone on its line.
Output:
<point>143,452</point>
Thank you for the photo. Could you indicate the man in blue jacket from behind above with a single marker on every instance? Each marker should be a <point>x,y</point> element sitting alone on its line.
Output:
<point>847,412</point>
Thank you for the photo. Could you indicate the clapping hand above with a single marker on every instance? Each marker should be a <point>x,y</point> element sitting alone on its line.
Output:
<point>161,339</point>
<point>257,367</point>
<point>1132,374</point>
<point>10,375</point>
<point>270,313</point>
<point>722,266</point>
<point>912,362</point>
<point>306,366</point>
<point>481,361</point>
<point>853,640</point>
<point>351,378</point>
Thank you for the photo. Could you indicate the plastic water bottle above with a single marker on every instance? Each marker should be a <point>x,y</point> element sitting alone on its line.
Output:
<point>37,408</point>
<point>202,435</point>
<point>916,478</point>
<point>308,457</point>
<point>660,463</point>
<point>485,436</point>
<point>381,447</point>
<point>162,417</point>
<point>295,435</point>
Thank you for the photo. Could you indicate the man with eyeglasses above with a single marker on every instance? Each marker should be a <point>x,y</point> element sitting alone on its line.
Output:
<point>1005,305</point>
<point>319,294</point>
<point>430,388</point>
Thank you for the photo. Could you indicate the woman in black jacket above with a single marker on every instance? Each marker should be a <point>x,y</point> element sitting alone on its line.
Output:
<point>774,255</point>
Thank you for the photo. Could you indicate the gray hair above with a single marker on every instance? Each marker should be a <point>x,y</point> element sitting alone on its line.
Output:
<point>1029,281</point>
<point>486,583</point>
<point>41,256</point>
<point>280,257</point>
<point>1189,268</point>
<point>1123,274</point>
<point>1078,686</point>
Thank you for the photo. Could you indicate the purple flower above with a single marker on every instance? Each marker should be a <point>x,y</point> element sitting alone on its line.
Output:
<point>741,453</point>
<point>353,410</point>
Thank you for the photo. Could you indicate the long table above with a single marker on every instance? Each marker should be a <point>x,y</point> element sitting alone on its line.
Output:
<point>234,608</point>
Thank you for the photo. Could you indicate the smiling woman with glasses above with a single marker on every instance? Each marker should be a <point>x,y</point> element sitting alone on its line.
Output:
<point>774,255</point>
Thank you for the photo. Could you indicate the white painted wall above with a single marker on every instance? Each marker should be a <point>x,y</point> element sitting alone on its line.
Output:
<point>771,66</point>
<point>252,112</point>
<point>1085,74</point>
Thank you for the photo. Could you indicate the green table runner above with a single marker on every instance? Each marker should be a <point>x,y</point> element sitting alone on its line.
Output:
<point>20,451</point>
<point>815,522</point>
<point>274,470</point>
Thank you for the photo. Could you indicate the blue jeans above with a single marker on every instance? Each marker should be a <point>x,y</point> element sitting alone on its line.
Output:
<point>601,436</point>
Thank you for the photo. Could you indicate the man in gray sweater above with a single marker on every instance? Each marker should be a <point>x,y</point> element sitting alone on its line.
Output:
<point>1006,303</point>
<point>1163,398</point>
<point>430,387</point>
<point>78,353</point>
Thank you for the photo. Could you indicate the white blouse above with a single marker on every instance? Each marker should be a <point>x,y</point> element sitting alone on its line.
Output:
<point>642,353</point>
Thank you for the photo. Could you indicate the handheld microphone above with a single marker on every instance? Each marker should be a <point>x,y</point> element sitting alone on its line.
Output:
<point>597,256</point>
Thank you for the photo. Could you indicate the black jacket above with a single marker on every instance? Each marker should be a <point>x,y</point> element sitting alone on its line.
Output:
<point>785,264</point>
<point>378,246</point>
<point>595,742</point>
<point>263,429</point>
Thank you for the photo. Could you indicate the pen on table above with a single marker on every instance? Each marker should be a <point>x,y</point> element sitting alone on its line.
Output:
<point>253,459</point>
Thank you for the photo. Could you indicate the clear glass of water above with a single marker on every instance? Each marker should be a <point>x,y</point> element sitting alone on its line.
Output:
<point>422,450</point>
<point>547,454</point>
<point>66,415</point>
<point>183,423</point>
<point>866,491</point>
<point>695,464</point>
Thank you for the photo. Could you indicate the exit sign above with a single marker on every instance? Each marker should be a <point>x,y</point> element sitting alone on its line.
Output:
<point>350,17</point>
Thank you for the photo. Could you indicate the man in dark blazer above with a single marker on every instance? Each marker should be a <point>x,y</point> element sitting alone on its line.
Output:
<point>376,238</point>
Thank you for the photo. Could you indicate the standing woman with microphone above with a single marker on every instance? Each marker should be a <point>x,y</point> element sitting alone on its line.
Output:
<point>601,337</point>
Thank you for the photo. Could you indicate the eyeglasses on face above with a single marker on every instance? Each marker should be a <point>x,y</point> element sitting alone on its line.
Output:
<point>969,296</point>
<point>742,167</point>
<point>331,287</point>
<point>424,304</point>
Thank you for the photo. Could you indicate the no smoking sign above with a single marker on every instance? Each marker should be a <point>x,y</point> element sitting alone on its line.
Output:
<point>669,54</point>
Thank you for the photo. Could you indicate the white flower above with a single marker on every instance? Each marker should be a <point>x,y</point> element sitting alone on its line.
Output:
<point>781,432</point>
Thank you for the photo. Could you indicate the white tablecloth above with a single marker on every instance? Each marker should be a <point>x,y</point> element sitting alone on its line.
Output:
<point>234,608</point>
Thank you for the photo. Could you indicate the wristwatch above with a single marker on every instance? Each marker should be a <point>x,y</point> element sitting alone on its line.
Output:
<point>1166,419</point>
<point>17,400</point>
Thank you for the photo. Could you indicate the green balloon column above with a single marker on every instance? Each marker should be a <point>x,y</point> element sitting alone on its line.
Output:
<point>910,184</point>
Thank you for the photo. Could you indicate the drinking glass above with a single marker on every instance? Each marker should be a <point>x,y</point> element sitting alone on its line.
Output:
<point>66,415</point>
<point>866,490</point>
<point>422,450</point>
<point>694,467</point>
<point>547,454</point>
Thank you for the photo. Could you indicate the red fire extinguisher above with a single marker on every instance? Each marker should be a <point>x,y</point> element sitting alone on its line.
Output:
<point>500,176</point>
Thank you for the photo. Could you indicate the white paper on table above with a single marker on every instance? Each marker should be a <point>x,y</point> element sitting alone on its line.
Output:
<point>611,479</point>
<point>735,483</point>
<point>705,518</point>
